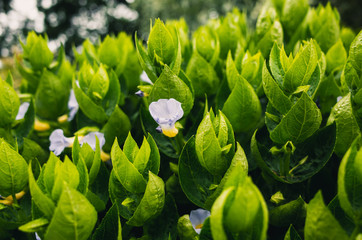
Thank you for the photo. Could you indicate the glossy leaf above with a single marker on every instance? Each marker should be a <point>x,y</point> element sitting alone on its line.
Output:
<point>299,123</point>
<point>74,217</point>
<point>350,182</point>
<point>14,175</point>
<point>320,223</point>
<point>126,172</point>
<point>152,202</point>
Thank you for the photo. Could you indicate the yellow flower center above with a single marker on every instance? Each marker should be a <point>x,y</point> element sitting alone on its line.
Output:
<point>41,126</point>
<point>9,199</point>
<point>63,118</point>
<point>199,226</point>
<point>170,132</point>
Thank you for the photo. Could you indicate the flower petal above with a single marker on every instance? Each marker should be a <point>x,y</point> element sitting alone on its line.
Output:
<point>22,110</point>
<point>145,78</point>
<point>72,105</point>
<point>58,141</point>
<point>166,111</point>
<point>197,218</point>
<point>91,140</point>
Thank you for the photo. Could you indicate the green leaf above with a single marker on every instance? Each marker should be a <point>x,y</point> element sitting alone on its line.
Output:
<point>74,217</point>
<point>229,35</point>
<point>336,56</point>
<point>347,126</point>
<point>165,224</point>
<point>96,163</point>
<point>51,97</point>
<point>308,158</point>
<point>49,172</point>
<point>274,93</point>
<point>153,164</point>
<point>252,67</point>
<point>130,148</point>
<point>324,26</point>
<point>176,62</point>
<point>194,179</point>
<point>293,14</point>
<point>96,201</point>
<point>34,226</point>
<point>99,84</point>
<point>302,68</point>
<point>206,44</point>
<point>242,107</point>
<point>14,176</point>
<point>160,43</point>
<point>293,212</point>
<point>279,63</point>
<point>88,107</point>
<point>108,52</point>
<point>350,182</point>
<point>66,172</point>
<point>126,173</point>
<point>341,216</point>
<point>185,229</point>
<point>292,234</point>
<point>141,160</point>
<point>301,122</point>
<point>217,215</point>
<point>274,34</point>
<point>247,213</point>
<point>40,55</point>
<point>320,223</point>
<point>208,149</point>
<point>42,201</point>
<point>9,79</point>
<point>232,74</point>
<point>83,176</point>
<point>152,202</point>
<point>31,150</point>
<point>203,76</point>
<point>118,125</point>
<point>145,60</point>
<point>113,95</point>
<point>9,104</point>
<point>110,227</point>
<point>168,85</point>
<point>355,53</point>
<point>238,167</point>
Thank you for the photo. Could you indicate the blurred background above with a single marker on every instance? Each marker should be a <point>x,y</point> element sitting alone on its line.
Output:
<point>71,22</point>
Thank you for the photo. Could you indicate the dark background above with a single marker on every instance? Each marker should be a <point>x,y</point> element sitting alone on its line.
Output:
<point>71,21</point>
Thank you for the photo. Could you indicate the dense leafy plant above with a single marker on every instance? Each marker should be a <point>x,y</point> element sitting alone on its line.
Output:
<point>258,127</point>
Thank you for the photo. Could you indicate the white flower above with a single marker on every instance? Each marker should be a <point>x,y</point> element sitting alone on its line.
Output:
<point>197,218</point>
<point>339,98</point>
<point>166,112</point>
<point>91,140</point>
<point>37,236</point>
<point>58,141</point>
<point>72,105</point>
<point>22,110</point>
<point>145,78</point>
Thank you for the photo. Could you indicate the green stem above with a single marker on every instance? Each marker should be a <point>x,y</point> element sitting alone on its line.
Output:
<point>284,164</point>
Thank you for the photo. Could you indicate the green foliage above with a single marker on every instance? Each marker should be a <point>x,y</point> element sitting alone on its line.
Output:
<point>9,104</point>
<point>287,97</point>
<point>14,176</point>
